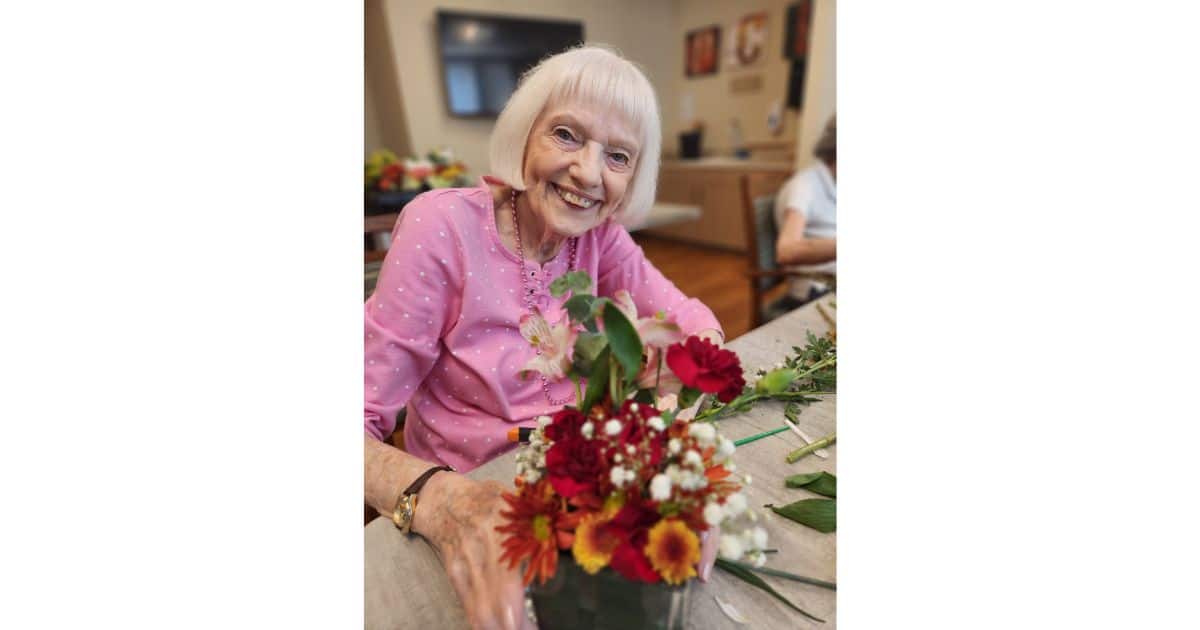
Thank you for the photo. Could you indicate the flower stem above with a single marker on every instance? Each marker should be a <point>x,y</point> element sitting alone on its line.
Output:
<point>823,363</point>
<point>828,440</point>
<point>747,440</point>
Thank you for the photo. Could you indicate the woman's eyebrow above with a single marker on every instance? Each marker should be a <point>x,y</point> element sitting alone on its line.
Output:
<point>618,141</point>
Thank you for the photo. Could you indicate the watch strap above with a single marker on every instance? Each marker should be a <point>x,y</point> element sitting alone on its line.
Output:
<point>406,504</point>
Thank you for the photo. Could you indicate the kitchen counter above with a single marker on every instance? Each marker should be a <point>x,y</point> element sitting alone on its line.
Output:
<point>729,164</point>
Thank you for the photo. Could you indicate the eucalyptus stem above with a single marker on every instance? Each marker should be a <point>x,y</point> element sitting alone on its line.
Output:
<point>784,574</point>
<point>828,440</point>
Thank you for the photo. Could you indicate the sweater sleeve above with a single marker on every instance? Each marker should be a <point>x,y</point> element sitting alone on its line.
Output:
<point>416,301</point>
<point>623,265</point>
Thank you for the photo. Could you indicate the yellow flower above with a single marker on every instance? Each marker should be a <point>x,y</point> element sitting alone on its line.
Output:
<point>593,549</point>
<point>673,550</point>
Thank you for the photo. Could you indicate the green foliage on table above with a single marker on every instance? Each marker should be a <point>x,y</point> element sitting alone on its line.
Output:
<point>806,372</point>
<point>819,514</point>
<point>816,363</point>
<point>776,381</point>
<point>745,574</point>
<point>782,574</point>
<point>818,482</point>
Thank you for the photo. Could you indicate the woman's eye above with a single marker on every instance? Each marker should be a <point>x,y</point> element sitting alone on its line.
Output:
<point>563,134</point>
<point>619,158</point>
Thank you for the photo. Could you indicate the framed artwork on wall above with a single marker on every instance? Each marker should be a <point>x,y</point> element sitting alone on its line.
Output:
<point>702,47</point>
<point>748,42</point>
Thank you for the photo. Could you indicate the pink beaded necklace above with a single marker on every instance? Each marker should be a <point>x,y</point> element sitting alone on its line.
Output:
<point>527,292</point>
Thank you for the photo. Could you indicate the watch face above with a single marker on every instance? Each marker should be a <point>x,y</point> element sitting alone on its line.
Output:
<point>404,512</point>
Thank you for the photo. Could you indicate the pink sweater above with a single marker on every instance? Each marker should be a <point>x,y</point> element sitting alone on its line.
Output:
<point>441,328</point>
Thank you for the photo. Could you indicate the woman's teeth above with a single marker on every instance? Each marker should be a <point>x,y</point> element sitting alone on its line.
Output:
<point>573,199</point>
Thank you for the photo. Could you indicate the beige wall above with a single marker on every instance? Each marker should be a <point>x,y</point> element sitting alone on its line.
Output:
<point>391,123</point>
<point>640,29</point>
<point>372,138</point>
<point>713,102</point>
<point>821,88</point>
<point>650,32</point>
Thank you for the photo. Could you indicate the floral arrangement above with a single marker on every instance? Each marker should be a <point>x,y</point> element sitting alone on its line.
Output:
<point>631,476</point>
<point>384,172</point>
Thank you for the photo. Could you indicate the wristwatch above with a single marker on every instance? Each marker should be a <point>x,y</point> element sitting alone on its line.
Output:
<point>406,505</point>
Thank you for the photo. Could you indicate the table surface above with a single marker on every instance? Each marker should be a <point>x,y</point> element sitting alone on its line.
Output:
<point>405,586</point>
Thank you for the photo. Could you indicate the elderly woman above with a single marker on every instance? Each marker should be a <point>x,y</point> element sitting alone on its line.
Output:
<point>575,150</point>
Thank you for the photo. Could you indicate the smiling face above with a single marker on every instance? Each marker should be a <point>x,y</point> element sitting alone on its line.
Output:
<point>579,162</point>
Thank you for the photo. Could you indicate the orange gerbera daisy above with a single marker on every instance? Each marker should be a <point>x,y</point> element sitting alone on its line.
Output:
<point>593,548</point>
<point>673,550</point>
<point>533,528</point>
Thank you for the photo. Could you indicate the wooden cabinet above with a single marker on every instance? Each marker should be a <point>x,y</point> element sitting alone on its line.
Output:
<point>715,188</point>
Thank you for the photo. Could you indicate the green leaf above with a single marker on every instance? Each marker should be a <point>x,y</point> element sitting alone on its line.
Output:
<point>577,282</point>
<point>819,514</point>
<point>644,397</point>
<point>819,482</point>
<point>587,347</point>
<point>579,307</point>
<point>624,341</point>
<point>783,574</point>
<point>688,396</point>
<point>596,382</point>
<point>757,581</point>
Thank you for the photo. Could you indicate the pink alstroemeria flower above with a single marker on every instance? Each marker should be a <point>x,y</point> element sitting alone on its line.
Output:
<point>656,333</point>
<point>556,343</point>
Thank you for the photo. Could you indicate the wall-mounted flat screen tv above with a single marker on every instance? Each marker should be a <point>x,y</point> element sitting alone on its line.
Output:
<point>483,56</point>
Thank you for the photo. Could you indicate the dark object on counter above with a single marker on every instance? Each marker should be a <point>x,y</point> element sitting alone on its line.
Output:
<point>689,144</point>
<point>377,202</point>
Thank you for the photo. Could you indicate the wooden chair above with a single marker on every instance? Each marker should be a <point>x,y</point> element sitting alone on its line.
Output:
<point>763,274</point>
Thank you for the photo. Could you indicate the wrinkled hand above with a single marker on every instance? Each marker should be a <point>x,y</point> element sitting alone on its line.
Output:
<point>461,524</point>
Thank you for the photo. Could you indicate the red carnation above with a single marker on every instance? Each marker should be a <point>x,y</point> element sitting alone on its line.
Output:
<point>701,365</point>
<point>565,425</point>
<point>574,466</point>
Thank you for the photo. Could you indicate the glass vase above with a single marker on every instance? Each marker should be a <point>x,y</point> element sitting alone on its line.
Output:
<point>572,599</point>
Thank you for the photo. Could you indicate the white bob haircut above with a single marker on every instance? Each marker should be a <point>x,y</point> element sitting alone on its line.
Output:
<point>598,76</point>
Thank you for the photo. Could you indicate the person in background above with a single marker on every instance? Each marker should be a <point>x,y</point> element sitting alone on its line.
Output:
<point>806,215</point>
<point>464,294</point>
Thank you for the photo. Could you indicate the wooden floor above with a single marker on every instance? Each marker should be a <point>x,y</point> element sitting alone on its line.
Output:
<point>713,276</point>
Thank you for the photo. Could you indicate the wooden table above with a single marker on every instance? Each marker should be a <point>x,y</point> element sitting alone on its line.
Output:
<point>405,586</point>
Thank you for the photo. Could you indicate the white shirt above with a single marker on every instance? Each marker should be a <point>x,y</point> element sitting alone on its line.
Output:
<point>813,193</point>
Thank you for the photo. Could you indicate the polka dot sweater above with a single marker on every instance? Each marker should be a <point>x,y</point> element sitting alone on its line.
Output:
<point>441,329</point>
